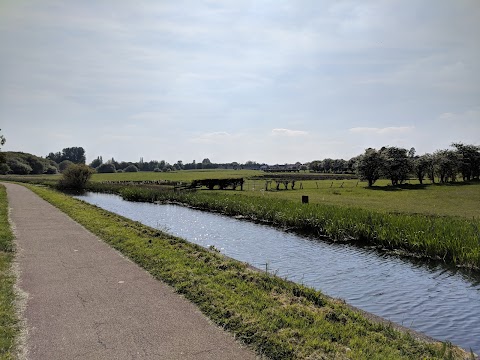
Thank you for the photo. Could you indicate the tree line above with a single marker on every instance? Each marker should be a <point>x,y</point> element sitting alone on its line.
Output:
<point>398,164</point>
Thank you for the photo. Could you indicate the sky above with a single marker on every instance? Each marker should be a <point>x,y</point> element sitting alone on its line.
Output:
<point>266,81</point>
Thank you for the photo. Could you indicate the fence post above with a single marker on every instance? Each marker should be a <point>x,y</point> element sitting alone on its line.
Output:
<point>304,199</point>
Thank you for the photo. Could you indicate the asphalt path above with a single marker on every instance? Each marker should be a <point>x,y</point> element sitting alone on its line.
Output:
<point>84,300</point>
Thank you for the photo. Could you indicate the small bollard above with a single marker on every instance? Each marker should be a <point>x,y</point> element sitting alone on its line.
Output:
<point>304,199</point>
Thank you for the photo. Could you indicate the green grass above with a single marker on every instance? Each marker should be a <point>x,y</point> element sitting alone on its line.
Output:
<point>9,325</point>
<point>450,239</point>
<point>277,318</point>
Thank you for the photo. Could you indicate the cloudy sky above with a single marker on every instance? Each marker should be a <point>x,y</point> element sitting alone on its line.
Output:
<point>269,81</point>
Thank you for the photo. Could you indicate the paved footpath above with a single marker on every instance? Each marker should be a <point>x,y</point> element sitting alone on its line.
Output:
<point>85,301</point>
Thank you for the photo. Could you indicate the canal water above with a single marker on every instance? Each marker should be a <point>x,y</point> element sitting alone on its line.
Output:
<point>438,301</point>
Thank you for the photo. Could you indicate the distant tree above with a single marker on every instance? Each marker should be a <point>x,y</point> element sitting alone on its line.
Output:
<point>422,165</point>
<point>369,166</point>
<point>64,165</point>
<point>106,168</point>
<point>19,167</point>
<point>179,165</point>
<point>396,164</point>
<point>57,157</point>
<point>38,166</point>
<point>303,168</point>
<point>97,162</point>
<point>74,154</point>
<point>469,157</point>
<point>2,142</point>
<point>316,166</point>
<point>131,168</point>
<point>76,176</point>
<point>4,169</point>
<point>447,164</point>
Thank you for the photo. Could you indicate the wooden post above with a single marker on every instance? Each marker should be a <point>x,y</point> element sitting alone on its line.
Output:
<point>304,199</point>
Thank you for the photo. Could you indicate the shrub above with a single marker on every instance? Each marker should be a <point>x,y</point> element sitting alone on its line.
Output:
<point>64,165</point>
<point>106,168</point>
<point>18,167</point>
<point>131,168</point>
<point>51,170</point>
<point>75,177</point>
<point>156,169</point>
<point>4,169</point>
<point>38,167</point>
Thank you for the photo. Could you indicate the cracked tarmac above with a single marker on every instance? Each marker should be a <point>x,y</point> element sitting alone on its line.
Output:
<point>86,301</point>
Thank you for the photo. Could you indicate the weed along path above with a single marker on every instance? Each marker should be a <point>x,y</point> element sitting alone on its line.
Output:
<point>85,301</point>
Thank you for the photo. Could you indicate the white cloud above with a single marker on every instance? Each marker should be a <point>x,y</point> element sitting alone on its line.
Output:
<point>288,132</point>
<point>214,137</point>
<point>382,131</point>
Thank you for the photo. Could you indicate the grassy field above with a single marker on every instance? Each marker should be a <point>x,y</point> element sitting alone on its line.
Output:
<point>277,318</point>
<point>458,199</point>
<point>9,328</point>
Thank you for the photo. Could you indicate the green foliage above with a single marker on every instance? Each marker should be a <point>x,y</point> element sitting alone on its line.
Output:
<point>280,319</point>
<point>131,168</point>
<point>19,167</point>
<point>9,325</point>
<point>106,168</point>
<point>75,177</point>
<point>369,166</point>
<point>64,165</point>
<point>396,164</point>
<point>73,154</point>
<point>4,169</point>
<point>97,162</point>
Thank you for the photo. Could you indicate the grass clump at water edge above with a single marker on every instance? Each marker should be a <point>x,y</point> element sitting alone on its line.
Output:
<point>451,239</point>
<point>279,319</point>
<point>9,325</point>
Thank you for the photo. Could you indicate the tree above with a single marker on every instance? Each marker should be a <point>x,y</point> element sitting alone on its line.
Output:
<point>97,162</point>
<point>396,164</point>
<point>369,166</point>
<point>131,168</point>
<point>74,154</point>
<point>469,160</point>
<point>2,142</point>
<point>106,168</point>
<point>447,164</point>
<point>422,165</point>
<point>75,177</point>
<point>64,165</point>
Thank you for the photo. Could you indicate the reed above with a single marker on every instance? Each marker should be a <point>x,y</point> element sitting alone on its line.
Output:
<point>450,239</point>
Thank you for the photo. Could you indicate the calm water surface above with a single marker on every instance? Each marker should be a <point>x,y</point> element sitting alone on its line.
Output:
<point>440,302</point>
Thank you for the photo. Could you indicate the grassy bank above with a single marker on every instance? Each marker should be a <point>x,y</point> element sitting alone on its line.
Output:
<point>9,328</point>
<point>279,319</point>
<point>451,239</point>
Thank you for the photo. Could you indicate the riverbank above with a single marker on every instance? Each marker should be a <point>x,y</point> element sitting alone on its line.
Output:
<point>280,319</point>
<point>9,325</point>
<point>449,239</point>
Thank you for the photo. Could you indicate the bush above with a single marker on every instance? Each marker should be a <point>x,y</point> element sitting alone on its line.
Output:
<point>64,165</point>
<point>106,168</point>
<point>4,169</point>
<point>51,170</point>
<point>131,168</point>
<point>19,167</point>
<point>38,167</point>
<point>156,169</point>
<point>75,177</point>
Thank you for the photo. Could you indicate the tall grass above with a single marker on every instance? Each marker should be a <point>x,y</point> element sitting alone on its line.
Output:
<point>9,327</point>
<point>453,240</point>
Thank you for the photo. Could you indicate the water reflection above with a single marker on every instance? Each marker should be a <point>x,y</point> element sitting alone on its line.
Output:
<point>441,302</point>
